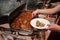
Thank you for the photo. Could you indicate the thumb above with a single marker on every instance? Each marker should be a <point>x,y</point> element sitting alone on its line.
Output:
<point>48,28</point>
<point>33,14</point>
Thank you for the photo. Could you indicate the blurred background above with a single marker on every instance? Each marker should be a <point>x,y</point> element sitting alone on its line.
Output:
<point>7,6</point>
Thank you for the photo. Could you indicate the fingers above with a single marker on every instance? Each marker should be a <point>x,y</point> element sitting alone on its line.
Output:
<point>49,27</point>
<point>34,13</point>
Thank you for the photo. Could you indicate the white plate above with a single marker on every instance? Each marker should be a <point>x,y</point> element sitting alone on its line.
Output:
<point>33,23</point>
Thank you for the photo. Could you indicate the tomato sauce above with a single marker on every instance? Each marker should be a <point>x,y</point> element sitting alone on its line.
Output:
<point>22,22</point>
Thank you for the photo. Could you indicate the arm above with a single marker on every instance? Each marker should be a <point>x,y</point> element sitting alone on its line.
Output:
<point>49,11</point>
<point>58,29</point>
<point>54,27</point>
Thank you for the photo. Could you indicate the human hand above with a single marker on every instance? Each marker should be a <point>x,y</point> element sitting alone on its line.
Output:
<point>34,13</point>
<point>53,27</point>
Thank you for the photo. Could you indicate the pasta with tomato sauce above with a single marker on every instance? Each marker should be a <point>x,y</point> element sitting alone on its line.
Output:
<point>22,22</point>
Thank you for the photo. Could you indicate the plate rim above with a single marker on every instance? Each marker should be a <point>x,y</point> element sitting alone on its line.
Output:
<point>39,27</point>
